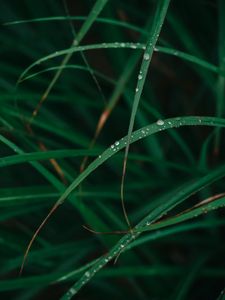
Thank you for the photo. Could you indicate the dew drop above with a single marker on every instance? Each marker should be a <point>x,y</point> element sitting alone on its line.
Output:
<point>160,122</point>
<point>117,143</point>
<point>87,274</point>
<point>136,90</point>
<point>73,291</point>
<point>112,146</point>
<point>146,56</point>
<point>140,77</point>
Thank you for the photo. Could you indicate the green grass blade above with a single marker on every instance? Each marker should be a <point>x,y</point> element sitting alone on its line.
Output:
<point>151,43</point>
<point>28,157</point>
<point>137,135</point>
<point>96,10</point>
<point>202,208</point>
<point>117,45</point>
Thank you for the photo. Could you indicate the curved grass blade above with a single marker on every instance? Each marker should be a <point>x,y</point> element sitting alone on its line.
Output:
<point>48,175</point>
<point>201,208</point>
<point>92,73</point>
<point>158,212</point>
<point>155,214</point>
<point>80,18</point>
<point>151,43</point>
<point>119,89</point>
<point>74,67</point>
<point>183,227</point>
<point>128,45</point>
<point>33,156</point>
<point>138,135</point>
<point>27,157</point>
<point>96,10</point>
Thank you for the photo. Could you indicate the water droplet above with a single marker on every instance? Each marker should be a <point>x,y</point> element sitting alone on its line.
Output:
<point>136,90</point>
<point>72,291</point>
<point>121,246</point>
<point>140,77</point>
<point>122,44</point>
<point>133,46</point>
<point>99,156</point>
<point>146,56</point>
<point>160,122</point>
<point>112,146</point>
<point>117,143</point>
<point>87,274</point>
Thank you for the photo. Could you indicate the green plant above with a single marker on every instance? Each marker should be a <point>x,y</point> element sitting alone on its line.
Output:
<point>112,136</point>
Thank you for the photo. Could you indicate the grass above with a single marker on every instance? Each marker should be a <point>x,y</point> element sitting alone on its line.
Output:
<point>112,161</point>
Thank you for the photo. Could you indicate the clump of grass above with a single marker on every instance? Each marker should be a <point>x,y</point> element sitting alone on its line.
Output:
<point>91,93</point>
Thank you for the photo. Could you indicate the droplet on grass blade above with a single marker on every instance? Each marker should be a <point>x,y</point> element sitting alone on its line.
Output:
<point>146,56</point>
<point>160,122</point>
<point>87,274</point>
